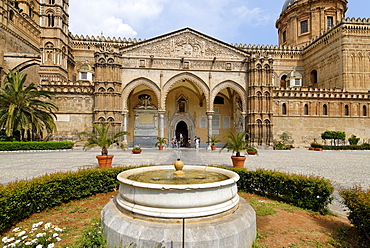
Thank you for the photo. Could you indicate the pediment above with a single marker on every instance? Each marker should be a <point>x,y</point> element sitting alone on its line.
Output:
<point>185,43</point>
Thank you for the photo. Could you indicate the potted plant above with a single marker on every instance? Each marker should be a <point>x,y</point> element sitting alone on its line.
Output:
<point>103,140</point>
<point>251,150</point>
<point>213,140</point>
<point>136,149</point>
<point>237,143</point>
<point>160,142</point>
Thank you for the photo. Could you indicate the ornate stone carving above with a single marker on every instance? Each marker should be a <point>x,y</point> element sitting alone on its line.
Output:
<point>186,44</point>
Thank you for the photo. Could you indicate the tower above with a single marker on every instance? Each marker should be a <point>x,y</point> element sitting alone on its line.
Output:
<point>302,20</point>
<point>54,47</point>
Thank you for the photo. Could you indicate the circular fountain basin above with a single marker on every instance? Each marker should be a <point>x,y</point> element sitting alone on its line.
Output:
<point>177,200</point>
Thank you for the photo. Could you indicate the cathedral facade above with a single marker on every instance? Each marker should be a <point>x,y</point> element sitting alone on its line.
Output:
<point>185,83</point>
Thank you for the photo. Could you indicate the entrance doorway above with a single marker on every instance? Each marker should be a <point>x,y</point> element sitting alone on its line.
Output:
<point>182,133</point>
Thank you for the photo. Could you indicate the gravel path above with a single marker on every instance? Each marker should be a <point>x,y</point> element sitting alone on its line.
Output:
<point>343,168</point>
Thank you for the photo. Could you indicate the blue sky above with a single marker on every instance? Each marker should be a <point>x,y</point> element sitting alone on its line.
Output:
<point>232,21</point>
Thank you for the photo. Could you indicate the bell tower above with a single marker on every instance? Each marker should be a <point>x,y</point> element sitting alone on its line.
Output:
<point>302,20</point>
<point>55,47</point>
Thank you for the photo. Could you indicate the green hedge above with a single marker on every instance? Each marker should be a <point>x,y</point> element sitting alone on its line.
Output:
<point>306,192</point>
<point>358,201</point>
<point>35,145</point>
<point>364,146</point>
<point>21,199</point>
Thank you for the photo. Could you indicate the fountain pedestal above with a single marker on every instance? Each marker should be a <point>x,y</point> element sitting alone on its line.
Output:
<point>235,228</point>
<point>205,215</point>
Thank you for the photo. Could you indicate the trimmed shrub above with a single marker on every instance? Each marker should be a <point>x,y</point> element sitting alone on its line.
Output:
<point>353,140</point>
<point>307,192</point>
<point>21,199</point>
<point>358,201</point>
<point>364,146</point>
<point>316,145</point>
<point>36,145</point>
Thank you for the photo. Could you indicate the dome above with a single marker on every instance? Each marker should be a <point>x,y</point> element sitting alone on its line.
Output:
<point>86,67</point>
<point>294,74</point>
<point>287,3</point>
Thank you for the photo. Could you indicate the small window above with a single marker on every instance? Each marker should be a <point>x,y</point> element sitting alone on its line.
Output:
<point>284,36</point>
<point>313,77</point>
<point>219,100</point>
<point>283,109</point>
<point>364,110</point>
<point>52,1</point>
<point>304,27</point>
<point>11,15</point>
<point>297,82</point>
<point>346,110</point>
<point>50,20</point>
<point>330,21</point>
<point>83,75</point>
<point>305,109</point>
<point>283,83</point>
<point>325,109</point>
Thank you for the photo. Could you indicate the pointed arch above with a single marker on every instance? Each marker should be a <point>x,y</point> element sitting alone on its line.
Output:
<point>188,77</point>
<point>135,83</point>
<point>233,85</point>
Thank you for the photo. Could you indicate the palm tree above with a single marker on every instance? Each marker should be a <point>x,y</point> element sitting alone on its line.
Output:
<point>236,143</point>
<point>22,106</point>
<point>102,139</point>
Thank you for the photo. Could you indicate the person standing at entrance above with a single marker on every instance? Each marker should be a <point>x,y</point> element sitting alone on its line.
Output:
<point>196,141</point>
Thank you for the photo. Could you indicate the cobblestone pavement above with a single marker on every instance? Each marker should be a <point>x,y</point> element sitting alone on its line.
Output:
<point>343,168</point>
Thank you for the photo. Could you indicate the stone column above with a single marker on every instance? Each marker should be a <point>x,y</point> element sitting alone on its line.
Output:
<point>210,116</point>
<point>243,121</point>
<point>161,123</point>
<point>124,125</point>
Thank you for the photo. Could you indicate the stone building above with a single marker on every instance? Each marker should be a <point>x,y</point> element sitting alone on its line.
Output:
<point>185,83</point>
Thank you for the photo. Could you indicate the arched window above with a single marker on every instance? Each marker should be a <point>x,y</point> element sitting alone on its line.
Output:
<point>283,81</point>
<point>283,109</point>
<point>11,15</point>
<point>364,110</point>
<point>313,77</point>
<point>259,102</point>
<point>325,109</point>
<point>346,110</point>
<point>52,1</point>
<point>50,20</point>
<point>305,109</point>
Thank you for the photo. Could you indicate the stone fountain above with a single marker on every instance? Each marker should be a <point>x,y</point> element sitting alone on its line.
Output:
<point>197,206</point>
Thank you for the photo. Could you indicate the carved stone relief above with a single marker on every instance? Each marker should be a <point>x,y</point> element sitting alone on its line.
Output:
<point>188,45</point>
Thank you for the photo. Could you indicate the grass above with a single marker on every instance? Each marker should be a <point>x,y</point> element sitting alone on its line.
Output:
<point>278,225</point>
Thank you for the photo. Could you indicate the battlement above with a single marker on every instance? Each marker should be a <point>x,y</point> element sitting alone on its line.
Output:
<point>308,92</point>
<point>102,38</point>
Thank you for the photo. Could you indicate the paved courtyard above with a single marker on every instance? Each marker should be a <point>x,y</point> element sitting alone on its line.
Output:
<point>343,168</point>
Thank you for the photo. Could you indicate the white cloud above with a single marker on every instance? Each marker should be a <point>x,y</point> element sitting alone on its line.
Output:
<point>223,19</point>
<point>114,27</point>
<point>254,17</point>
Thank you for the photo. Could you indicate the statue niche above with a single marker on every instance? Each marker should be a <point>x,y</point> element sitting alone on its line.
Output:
<point>181,104</point>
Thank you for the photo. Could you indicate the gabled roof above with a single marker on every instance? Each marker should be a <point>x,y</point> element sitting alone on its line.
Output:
<point>185,43</point>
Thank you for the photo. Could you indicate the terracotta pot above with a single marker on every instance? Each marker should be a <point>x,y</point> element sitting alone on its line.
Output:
<point>318,149</point>
<point>251,152</point>
<point>311,148</point>
<point>213,147</point>
<point>136,151</point>
<point>105,161</point>
<point>238,162</point>
<point>160,147</point>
